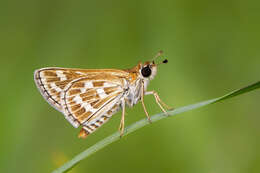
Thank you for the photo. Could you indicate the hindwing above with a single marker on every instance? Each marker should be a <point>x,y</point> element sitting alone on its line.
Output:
<point>87,99</point>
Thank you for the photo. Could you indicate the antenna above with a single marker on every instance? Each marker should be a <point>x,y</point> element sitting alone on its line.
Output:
<point>157,55</point>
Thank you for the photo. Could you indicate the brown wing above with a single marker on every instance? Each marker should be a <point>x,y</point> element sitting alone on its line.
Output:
<point>57,83</point>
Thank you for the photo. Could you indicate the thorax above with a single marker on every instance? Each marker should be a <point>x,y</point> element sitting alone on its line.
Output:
<point>134,91</point>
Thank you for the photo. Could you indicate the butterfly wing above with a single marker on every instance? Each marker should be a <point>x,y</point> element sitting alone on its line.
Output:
<point>85,97</point>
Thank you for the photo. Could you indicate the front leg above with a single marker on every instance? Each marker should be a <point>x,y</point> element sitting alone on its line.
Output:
<point>158,100</point>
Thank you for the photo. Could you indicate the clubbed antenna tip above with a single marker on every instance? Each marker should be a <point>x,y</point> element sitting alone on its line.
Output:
<point>165,61</point>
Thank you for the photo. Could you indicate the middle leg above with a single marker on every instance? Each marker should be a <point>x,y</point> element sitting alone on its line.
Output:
<point>122,122</point>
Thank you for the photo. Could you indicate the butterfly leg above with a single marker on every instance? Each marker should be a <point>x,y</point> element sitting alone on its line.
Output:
<point>142,101</point>
<point>158,100</point>
<point>122,122</point>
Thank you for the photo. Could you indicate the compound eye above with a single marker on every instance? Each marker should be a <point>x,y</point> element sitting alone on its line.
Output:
<point>146,71</point>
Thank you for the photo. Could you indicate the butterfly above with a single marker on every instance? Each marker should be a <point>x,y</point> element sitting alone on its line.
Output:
<point>89,97</point>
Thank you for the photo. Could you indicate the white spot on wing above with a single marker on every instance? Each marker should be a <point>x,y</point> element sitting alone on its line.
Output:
<point>61,75</point>
<point>101,93</point>
<point>83,90</point>
<point>75,123</point>
<point>54,86</point>
<point>78,99</point>
<point>97,124</point>
<point>108,84</point>
<point>88,85</point>
<point>78,72</point>
<point>87,106</point>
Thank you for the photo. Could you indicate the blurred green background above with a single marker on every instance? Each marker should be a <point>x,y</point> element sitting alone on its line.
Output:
<point>212,48</point>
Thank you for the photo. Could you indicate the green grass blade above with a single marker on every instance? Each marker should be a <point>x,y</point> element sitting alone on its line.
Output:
<point>139,124</point>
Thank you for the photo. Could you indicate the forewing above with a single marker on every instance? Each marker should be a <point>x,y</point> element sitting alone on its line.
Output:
<point>51,82</point>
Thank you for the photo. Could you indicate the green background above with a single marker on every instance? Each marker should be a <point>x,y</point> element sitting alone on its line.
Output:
<point>212,48</point>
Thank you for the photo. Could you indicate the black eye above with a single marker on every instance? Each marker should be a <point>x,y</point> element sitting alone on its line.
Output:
<point>146,71</point>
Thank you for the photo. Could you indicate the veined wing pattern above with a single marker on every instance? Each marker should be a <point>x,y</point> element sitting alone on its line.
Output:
<point>85,97</point>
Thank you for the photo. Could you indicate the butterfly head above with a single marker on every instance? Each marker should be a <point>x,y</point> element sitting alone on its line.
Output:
<point>146,71</point>
<point>149,69</point>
